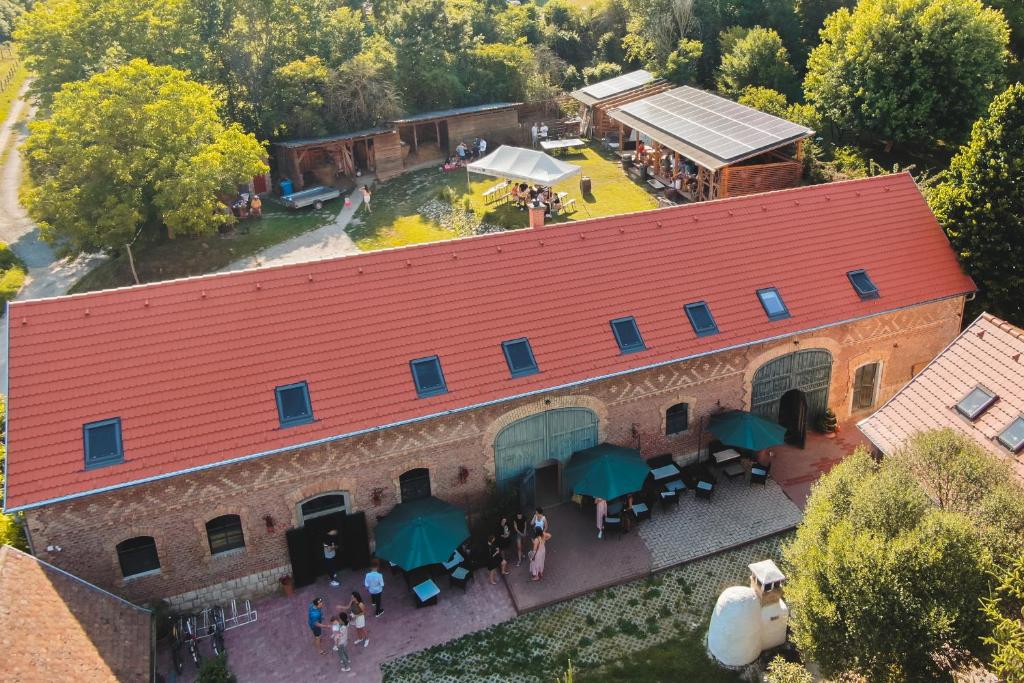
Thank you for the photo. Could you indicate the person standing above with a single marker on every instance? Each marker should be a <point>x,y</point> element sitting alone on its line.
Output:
<point>539,554</point>
<point>602,511</point>
<point>374,583</point>
<point>256,207</point>
<point>519,526</point>
<point>339,633</point>
<point>539,521</point>
<point>314,617</point>
<point>494,559</point>
<point>534,133</point>
<point>330,556</point>
<point>543,131</point>
<point>504,541</point>
<point>357,608</point>
<point>366,197</point>
<point>481,148</point>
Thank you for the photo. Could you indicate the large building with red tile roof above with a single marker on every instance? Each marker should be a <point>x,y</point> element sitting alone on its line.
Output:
<point>975,386</point>
<point>56,627</point>
<point>189,421</point>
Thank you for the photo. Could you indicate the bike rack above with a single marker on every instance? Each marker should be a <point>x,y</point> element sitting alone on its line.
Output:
<point>247,615</point>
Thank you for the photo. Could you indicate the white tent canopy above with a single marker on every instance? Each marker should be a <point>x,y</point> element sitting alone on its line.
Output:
<point>526,165</point>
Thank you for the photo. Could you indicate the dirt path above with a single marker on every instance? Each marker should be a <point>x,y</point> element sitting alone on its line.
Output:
<point>46,275</point>
<point>326,242</point>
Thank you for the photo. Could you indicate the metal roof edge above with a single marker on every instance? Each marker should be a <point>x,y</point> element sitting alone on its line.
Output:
<point>475,406</point>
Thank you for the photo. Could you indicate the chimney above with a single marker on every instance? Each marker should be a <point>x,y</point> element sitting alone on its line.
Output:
<point>766,580</point>
<point>537,212</point>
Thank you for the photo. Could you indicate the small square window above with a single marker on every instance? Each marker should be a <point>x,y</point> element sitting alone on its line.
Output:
<point>1013,436</point>
<point>975,403</point>
<point>701,319</point>
<point>862,284</point>
<point>772,302</point>
<point>627,335</point>
<point>293,406</point>
<point>103,443</point>
<point>519,357</point>
<point>426,373</point>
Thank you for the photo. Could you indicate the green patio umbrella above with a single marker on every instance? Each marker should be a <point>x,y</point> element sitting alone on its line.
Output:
<point>745,430</point>
<point>421,532</point>
<point>606,471</point>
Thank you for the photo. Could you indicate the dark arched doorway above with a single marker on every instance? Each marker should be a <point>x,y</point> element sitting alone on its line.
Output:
<point>793,416</point>
<point>809,372</point>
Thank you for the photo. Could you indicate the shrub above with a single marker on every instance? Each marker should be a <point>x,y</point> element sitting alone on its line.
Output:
<point>216,671</point>
<point>12,273</point>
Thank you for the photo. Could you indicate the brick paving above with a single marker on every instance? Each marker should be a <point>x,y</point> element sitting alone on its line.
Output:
<point>797,470</point>
<point>279,646</point>
<point>737,513</point>
<point>577,562</point>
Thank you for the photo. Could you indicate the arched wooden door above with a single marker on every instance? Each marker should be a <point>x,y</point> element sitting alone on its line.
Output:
<point>810,371</point>
<point>551,435</point>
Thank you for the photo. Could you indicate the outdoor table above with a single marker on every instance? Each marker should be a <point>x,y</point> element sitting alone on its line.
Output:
<point>454,561</point>
<point>728,455</point>
<point>733,470</point>
<point>665,472</point>
<point>558,145</point>
<point>656,184</point>
<point>426,593</point>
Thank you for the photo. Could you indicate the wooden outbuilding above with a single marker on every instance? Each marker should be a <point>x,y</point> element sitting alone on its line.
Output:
<point>434,135</point>
<point>719,147</point>
<point>597,99</point>
<point>332,159</point>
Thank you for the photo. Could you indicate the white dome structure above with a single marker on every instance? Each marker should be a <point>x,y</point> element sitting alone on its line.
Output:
<point>734,636</point>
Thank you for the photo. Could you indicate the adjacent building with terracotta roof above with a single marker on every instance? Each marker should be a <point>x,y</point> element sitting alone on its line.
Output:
<point>56,627</point>
<point>165,434</point>
<point>975,386</point>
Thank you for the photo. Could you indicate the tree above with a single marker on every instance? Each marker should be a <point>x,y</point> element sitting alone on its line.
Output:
<point>422,37</point>
<point>681,65</point>
<point>300,107</point>
<point>882,583</point>
<point>133,147</point>
<point>11,530</point>
<point>980,203</point>
<point>811,15</point>
<point>601,72</point>
<point>906,70</point>
<point>345,33</point>
<point>758,58</point>
<point>952,468</point>
<point>10,10</point>
<point>497,72</point>
<point>1005,612</point>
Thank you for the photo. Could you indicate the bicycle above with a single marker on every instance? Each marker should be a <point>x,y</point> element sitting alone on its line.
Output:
<point>192,640</point>
<point>179,665</point>
<point>216,628</point>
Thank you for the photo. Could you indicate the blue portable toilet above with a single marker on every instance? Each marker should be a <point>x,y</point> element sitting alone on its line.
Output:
<point>286,186</point>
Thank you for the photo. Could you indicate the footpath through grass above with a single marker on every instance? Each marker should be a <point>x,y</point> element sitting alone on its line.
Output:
<point>162,259</point>
<point>409,209</point>
<point>651,630</point>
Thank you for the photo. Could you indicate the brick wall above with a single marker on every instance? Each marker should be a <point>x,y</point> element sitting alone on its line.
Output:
<point>174,511</point>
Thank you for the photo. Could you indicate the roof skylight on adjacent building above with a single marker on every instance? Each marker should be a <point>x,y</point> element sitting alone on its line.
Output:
<point>862,284</point>
<point>975,402</point>
<point>1013,436</point>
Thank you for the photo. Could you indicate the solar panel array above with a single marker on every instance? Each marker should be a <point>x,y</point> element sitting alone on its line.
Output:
<point>613,86</point>
<point>721,127</point>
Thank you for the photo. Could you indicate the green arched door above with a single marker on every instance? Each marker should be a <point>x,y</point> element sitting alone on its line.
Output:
<point>810,371</point>
<point>551,435</point>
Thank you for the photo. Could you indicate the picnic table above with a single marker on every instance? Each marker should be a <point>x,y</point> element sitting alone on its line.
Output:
<point>665,472</point>
<point>558,145</point>
<point>724,456</point>
<point>426,593</point>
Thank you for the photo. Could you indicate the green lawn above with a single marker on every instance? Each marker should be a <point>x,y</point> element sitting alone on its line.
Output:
<point>650,630</point>
<point>163,259</point>
<point>396,219</point>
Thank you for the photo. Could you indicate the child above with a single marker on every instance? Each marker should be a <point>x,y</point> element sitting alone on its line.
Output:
<point>339,632</point>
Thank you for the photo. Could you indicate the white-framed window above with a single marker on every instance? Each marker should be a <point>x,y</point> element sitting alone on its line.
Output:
<point>324,504</point>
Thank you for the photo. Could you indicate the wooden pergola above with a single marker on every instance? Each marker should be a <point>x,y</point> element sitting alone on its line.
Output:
<point>376,149</point>
<point>601,97</point>
<point>734,150</point>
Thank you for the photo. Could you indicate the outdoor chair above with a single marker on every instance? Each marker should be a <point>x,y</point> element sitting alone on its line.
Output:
<point>759,474</point>
<point>459,576</point>
<point>613,524</point>
<point>669,498</point>
<point>641,511</point>
<point>704,489</point>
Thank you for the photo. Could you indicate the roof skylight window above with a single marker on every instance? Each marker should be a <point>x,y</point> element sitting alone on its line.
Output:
<point>975,403</point>
<point>701,319</point>
<point>103,443</point>
<point>862,284</point>
<point>293,406</point>
<point>627,335</point>
<point>426,373</point>
<point>1013,436</point>
<point>519,357</point>
<point>772,302</point>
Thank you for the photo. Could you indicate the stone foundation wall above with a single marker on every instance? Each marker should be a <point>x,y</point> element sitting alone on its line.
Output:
<point>245,588</point>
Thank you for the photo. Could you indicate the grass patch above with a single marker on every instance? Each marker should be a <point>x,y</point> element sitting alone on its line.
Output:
<point>12,273</point>
<point>681,658</point>
<point>396,219</point>
<point>158,258</point>
<point>10,93</point>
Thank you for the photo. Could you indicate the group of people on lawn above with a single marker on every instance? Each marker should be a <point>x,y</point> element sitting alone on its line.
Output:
<point>524,195</point>
<point>465,153</point>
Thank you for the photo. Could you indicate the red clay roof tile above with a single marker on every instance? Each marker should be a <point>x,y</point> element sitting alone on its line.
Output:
<point>190,365</point>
